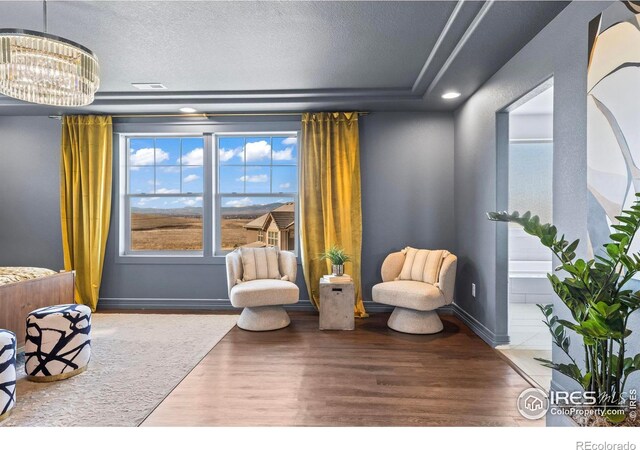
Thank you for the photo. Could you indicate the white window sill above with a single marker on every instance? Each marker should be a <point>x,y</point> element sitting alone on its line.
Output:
<point>170,259</point>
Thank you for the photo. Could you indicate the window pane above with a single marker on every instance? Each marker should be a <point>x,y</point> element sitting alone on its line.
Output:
<point>284,179</point>
<point>167,151</point>
<point>141,152</point>
<point>531,171</point>
<point>168,180</point>
<point>230,150</point>
<point>141,180</point>
<point>166,223</point>
<point>192,179</point>
<point>285,150</point>
<point>257,151</point>
<point>256,221</point>
<point>231,179</point>
<point>257,180</point>
<point>193,151</point>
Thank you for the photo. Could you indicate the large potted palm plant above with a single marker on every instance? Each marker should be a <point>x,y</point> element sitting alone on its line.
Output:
<point>597,294</point>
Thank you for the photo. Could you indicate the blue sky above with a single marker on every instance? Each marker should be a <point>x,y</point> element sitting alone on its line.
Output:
<point>251,165</point>
<point>179,165</point>
<point>166,202</point>
<point>236,202</point>
<point>261,165</point>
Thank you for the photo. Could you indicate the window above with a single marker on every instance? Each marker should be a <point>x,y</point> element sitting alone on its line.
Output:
<point>207,193</point>
<point>257,190</point>
<point>164,210</point>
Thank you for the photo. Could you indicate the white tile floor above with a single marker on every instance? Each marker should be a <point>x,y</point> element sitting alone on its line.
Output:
<point>530,339</point>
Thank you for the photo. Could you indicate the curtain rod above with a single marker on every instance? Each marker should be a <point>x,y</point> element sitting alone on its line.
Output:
<point>205,115</point>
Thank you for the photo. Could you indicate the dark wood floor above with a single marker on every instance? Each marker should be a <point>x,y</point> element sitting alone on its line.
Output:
<point>371,376</point>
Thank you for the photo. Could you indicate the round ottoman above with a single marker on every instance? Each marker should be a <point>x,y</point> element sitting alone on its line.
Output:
<point>7,372</point>
<point>58,344</point>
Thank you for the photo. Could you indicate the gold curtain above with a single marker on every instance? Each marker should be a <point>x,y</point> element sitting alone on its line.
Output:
<point>330,200</point>
<point>85,200</point>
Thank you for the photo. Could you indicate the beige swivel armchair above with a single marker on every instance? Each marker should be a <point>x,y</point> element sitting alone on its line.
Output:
<point>262,298</point>
<point>415,301</point>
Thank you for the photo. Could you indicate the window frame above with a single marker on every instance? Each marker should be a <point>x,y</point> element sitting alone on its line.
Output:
<point>273,236</point>
<point>127,196</point>
<point>209,129</point>
<point>295,196</point>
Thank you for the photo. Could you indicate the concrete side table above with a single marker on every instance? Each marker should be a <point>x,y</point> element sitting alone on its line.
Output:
<point>337,302</point>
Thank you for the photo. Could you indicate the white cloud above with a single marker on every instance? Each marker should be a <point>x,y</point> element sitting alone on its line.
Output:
<point>144,156</point>
<point>254,178</point>
<point>169,169</point>
<point>283,155</point>
<point>291,140</point>
<point>167,191</point>
<point>255,151</point>
<point>285,185</point>
<point>226,155</point>
<point>193,201</point>
<point>190,178</point>
<point>239,203</point>
<point>194,157</point>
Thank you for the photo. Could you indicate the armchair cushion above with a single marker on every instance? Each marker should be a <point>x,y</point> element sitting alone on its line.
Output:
<point>288,265</point>
<point>260,263</point>
<point>422,265</point>
<point>264,293</point>
<point>392,266</point>
<point>409,294</point>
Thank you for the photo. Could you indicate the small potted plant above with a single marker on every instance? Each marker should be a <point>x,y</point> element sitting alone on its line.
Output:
<point>338,257</point>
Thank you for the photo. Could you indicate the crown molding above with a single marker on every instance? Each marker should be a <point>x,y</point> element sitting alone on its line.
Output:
<point>443,34</point>
<point>461,43</point>
<point>412,96</point>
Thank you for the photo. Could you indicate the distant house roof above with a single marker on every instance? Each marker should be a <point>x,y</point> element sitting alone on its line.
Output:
<point>283,216</point>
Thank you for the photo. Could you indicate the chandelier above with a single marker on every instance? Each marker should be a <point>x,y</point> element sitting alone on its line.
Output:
<point>46,69</point>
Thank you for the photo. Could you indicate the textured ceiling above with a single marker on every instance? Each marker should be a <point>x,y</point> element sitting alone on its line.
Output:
<point>275,56</point>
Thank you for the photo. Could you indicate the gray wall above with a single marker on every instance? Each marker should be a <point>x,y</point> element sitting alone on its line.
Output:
<point>29,192</point>
<point>560,50</point>
<point>407,186</point>
<point>406,162</point>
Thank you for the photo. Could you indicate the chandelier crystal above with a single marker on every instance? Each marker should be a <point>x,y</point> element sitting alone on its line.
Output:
<point>46,69</point>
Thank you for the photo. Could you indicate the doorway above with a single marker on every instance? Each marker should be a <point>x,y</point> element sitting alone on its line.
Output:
<point>530,188</point>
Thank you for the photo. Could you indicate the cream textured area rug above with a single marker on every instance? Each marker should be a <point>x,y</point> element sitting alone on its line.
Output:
<point>137,359</point>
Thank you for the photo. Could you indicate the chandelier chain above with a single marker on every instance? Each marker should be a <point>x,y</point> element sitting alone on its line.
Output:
<point>44,15</point>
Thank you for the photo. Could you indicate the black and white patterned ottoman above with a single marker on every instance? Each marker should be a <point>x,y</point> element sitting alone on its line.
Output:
<point>58,344</point>
<point>7,372</point>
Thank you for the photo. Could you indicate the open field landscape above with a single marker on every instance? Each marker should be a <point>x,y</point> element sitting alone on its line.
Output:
<point>181,232</point>
<point>233,233</point>
<point>165,232</point>
<point>182,228</point>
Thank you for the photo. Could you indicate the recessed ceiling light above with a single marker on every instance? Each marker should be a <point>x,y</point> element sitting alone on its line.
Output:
<point>188,110</point>
<point>149,86</point>
<point>450,95</point>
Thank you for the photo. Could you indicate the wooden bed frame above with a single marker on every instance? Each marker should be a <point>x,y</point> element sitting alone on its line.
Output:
<point>20,298</point>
